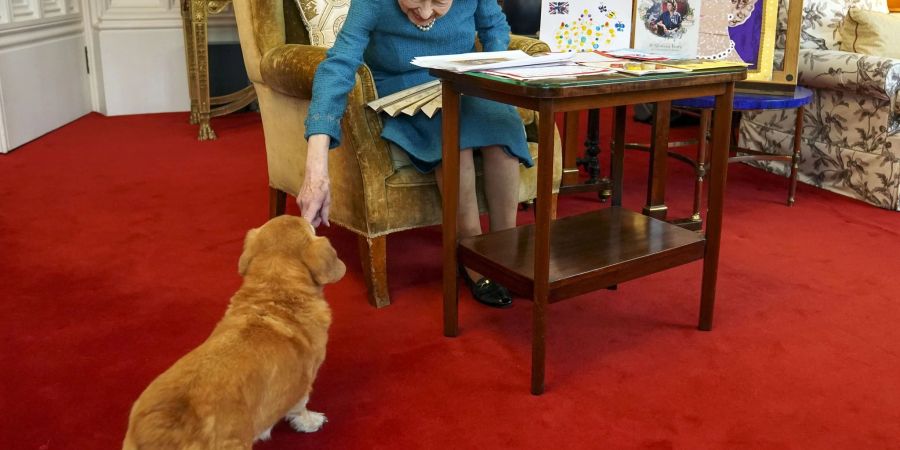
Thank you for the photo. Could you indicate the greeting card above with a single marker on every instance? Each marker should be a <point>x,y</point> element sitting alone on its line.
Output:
<point>586,25</point>
<point>668,27</point>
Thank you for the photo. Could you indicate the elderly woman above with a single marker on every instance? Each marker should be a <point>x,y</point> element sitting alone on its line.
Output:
<point>386,35</point>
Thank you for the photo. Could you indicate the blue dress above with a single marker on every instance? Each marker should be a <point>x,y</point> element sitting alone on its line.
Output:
<point>378,33</point>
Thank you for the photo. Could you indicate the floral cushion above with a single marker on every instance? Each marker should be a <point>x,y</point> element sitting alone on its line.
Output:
<point>323,19</point>
<point>870,33</point>
<point>822,20</point>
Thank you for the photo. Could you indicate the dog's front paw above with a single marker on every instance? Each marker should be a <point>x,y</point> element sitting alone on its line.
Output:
<point>308,422</point>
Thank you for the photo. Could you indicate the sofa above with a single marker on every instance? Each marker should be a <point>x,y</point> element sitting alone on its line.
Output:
<point>850,141</point>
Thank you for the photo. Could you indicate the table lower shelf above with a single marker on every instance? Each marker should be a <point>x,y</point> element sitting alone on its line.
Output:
<point>589,251</point>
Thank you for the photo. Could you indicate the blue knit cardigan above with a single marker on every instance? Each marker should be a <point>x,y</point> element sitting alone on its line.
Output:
<point>378,33</point>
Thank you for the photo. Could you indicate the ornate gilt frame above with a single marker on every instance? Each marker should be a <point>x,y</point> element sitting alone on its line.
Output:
<point>782,78</point>
<point>788,73</point>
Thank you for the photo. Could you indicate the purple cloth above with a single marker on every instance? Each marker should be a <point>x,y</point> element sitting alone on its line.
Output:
<point>746,37</point>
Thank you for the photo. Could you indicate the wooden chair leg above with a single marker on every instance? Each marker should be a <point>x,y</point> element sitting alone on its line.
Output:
<point>277,202</point>
<point>373,256</point>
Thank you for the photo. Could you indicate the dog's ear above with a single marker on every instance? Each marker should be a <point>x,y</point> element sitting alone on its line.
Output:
<point>249,251</point>
<point>323,261</point>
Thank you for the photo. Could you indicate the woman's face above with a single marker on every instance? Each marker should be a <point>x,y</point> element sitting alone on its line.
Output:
<point>423,12</point>
<point>671,7</point>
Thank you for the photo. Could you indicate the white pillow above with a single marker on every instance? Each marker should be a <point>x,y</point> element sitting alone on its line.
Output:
<point>323,19</point>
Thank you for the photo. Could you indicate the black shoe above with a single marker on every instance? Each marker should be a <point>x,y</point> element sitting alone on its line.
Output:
<point>486,291</point>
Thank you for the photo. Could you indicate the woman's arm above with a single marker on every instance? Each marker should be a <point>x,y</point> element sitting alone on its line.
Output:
<point>490,23</point>
<point>335,76</point>
<point>334,79</point>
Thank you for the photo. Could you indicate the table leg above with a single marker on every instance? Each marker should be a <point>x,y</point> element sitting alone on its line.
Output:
<point>542,249</point>
<point>570,152</point>
<point>718,171</point>
<point>700,164</point>
<point>616,162</point>
<point>659,148</point>
<point>450,167</point>
<point>617,154</point>
<point>201,62</point>
<point>795,159</point>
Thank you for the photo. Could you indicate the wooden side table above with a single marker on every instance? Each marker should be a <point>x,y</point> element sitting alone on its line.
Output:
<point>551,261</point>
<point>194,14</point>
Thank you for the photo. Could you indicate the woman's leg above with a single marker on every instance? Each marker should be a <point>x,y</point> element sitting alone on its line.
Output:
<point>467,217</point>
<point>504,216</point>
<point>501,186</point>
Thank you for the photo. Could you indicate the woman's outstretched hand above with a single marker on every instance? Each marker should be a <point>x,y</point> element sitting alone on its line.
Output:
<point>314,199</point>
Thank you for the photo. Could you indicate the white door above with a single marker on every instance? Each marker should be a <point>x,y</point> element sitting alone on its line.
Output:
<point>43,68</point>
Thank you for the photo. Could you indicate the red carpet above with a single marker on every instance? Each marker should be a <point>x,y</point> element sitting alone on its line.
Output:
<point>119,240</point>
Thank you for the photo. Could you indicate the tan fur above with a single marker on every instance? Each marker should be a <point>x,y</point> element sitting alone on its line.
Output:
<point>260,361</point>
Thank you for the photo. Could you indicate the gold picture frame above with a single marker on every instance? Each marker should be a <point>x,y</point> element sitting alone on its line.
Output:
<point>782,78</point>
<point>787,73</point>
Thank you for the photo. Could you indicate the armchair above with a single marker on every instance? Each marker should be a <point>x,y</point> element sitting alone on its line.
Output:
<point>850,141</point>
<point>371,195</point>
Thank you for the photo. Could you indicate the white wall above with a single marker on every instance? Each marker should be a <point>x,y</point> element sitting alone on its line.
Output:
<point>135,54</point>
<point>138,51</point>
<point>43,79</point>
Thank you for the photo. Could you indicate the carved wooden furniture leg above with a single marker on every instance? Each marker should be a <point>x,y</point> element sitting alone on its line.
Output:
<point>591,162</point>
<point>373,256</point>
<point>227,104</point>
<point>201,62</point>
<point>701,163</point>
<point>189,50</point>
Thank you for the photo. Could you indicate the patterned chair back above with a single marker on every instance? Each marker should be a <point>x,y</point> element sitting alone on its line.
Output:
<point>294,29</point>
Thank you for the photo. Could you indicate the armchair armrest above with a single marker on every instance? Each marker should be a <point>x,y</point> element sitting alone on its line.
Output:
<point>289,69</point>
<point>864,75</point>
<point>527,44</point>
